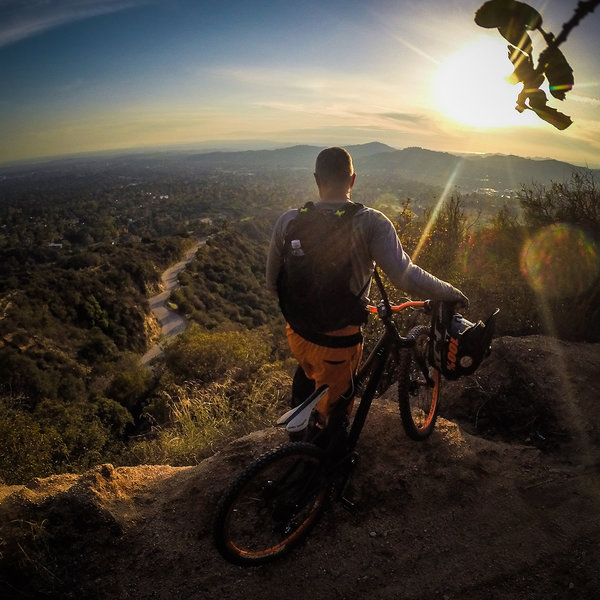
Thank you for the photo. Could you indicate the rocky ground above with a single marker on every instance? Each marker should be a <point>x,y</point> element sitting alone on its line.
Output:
<point>502,502</point>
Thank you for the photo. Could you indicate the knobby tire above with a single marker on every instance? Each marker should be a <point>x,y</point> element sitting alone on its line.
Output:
<point>272,505</point>
<point>417,399</point>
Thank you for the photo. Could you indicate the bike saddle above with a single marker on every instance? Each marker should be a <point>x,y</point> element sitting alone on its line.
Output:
<point>296,419</point>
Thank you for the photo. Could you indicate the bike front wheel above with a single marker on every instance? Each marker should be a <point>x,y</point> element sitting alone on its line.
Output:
<point>272,505</point>
<point>418,387</point>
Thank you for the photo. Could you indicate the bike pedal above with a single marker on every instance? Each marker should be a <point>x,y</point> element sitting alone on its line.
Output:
<point>350,464</point>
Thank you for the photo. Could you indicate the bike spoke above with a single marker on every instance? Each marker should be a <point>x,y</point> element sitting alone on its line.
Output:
<point>272,506</point>
<point>418,388</point>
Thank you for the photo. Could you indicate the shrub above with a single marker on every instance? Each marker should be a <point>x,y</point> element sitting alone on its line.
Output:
<point>209,356</point>
<point>204,417</point>
<point>27,449</point>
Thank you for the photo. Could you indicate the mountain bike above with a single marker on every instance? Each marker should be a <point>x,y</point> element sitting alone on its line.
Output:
<point>273,504</point>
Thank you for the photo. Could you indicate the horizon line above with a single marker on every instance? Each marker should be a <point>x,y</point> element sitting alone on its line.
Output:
<point>224,146</point>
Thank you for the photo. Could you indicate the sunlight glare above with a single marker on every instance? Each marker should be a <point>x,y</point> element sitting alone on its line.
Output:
<point>471,87</point>
<point>434,213</point>
<point>560,261</point>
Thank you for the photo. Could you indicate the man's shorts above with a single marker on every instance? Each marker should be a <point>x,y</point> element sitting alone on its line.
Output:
<point>334,367</point>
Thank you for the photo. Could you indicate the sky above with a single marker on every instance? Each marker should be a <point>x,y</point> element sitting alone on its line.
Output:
<point>81,76</point>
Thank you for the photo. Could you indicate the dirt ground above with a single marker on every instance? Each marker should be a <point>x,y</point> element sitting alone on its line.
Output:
<point>502,502</point>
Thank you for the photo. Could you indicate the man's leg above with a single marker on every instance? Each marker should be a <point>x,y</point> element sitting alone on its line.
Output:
<point>302,387</point>
<point>334,367</point>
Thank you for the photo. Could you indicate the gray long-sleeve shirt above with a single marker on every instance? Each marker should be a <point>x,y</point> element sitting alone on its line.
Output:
<point>374,241</point>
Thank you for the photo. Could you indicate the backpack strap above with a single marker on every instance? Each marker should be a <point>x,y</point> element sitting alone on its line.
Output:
<point>347,211</point>
<point>310,205</point>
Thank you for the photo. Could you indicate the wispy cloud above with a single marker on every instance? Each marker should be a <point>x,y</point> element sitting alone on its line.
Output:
<point>416,50</point>
<point>585,99</point>
<point>20,19</point>
<point>299,82</point>
<point>291,78</point>
<point>404,117</point>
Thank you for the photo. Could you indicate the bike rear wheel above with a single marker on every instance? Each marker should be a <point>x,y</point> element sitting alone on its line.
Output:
<point>418,394</point>
<point>272,505</point>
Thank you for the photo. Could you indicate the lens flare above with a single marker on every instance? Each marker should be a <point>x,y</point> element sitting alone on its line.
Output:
<point>560,261</point>
<point>436,210</point>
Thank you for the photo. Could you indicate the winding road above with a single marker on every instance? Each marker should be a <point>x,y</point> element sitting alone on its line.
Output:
<point>170,322</point>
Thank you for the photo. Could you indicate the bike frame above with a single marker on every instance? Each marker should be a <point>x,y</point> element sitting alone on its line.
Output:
<point>369,374</point>
<point>364,384</point>
<point>306,473</point>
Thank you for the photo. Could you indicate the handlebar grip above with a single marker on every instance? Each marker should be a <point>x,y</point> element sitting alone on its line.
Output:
<point>424,304</point>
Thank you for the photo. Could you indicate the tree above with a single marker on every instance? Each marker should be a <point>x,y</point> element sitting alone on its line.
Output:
<point>576,202</point>
<point>561,257</point>
<point>443,244</point>
<point>26,449</point>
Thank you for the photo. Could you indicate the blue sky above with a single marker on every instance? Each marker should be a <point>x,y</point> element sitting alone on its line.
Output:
<point>92,75</point>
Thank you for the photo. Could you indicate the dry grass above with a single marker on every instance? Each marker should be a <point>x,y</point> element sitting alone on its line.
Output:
<point>204,417</point>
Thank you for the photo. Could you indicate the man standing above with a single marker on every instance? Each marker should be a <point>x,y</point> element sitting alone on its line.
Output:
<point>352,239</point>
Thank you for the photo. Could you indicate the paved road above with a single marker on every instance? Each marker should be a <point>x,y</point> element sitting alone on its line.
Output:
<point>170,322</point>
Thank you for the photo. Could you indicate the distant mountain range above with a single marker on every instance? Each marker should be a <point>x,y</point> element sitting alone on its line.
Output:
<point>468,172</point>
<point>471,172</point>
<point>292,157</point>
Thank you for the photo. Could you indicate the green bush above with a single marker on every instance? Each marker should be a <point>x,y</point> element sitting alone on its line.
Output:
<point>209,356</point>
<point>27,449</point>
<point>130,387</point>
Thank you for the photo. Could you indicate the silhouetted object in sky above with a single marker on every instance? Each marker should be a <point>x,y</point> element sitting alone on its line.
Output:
<point>513,20</point>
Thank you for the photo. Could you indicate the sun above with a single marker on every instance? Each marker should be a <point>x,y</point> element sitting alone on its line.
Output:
<point>471,86</point>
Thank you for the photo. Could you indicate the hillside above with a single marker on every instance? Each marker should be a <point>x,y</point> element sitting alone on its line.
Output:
<point>417,165</point>
<point>514,514</point>
<point>471,172</point>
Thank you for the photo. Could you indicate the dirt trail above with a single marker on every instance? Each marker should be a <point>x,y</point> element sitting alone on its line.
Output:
<point>170,322</point>
<point>512,515</point>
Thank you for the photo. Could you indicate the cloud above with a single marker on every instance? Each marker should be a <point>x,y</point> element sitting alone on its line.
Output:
<point>403,117</point>
<point>291,78</point>
<point>416,50</point>
<point>585,100</point>
<point>316,92</point>
<point>20,20</point>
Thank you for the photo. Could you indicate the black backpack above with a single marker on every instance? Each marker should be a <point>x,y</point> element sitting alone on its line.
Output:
<point>314,281</point>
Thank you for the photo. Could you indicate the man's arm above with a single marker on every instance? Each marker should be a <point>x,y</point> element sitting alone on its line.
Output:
<point>275,250</point>
<point>388,253</point>
<point>273,265</point>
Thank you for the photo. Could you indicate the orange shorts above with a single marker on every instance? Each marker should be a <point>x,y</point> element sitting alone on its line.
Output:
<point>334,367</point>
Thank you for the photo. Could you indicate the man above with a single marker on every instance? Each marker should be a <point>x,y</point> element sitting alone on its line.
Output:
<point>333,358</point>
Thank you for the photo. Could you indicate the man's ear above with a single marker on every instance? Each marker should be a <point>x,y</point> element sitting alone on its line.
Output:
<point>316,179</point>
<point>352,180</point>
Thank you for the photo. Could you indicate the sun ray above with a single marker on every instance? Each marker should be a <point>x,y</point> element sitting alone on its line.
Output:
<point>436,210</point>
<point>573,416</point>
<point>551,278</point>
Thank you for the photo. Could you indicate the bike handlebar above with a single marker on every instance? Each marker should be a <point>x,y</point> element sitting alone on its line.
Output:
<point>398,307</point>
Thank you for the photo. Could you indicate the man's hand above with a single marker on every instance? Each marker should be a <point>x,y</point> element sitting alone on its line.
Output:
<point>462,301</point>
